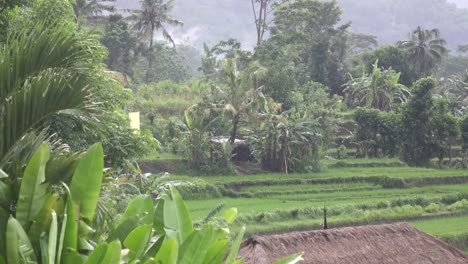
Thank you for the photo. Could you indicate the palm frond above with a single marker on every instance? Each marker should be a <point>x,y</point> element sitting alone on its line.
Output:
<point>42,72</point>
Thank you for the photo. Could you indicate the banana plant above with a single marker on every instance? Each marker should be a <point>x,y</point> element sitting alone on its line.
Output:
<point>164,233</point>
<point>48,227</point>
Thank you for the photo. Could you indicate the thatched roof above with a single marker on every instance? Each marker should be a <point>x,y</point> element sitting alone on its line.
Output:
<point>396,243</point>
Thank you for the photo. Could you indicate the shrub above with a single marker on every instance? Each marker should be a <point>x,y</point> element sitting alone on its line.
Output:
<point>421,201</point>
<point>459,206</point>
<point>432,208</point>
<point>388,182</point>
<point>382,205</point>
<point>198,189</point>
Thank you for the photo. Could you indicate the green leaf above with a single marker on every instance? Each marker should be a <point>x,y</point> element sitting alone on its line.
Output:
<point>98,254</point>
<point>177,216</point>
<point>52,245</point>
<point>216,252</point>
<point>85,186</point>
<point>168,253</point>
<point>150,261</point>
<point>19,248</point>
<point>61,238</point>
<point>84,244</point>
<point>230,215</point>
<point>113,253</point>
<point>44,245</point>
<point>33,191</point>
<point>235,247</point>
<point>137,240</point>
<point>158,214</point>
<point>4,215</point>
<point>122,231</point>
<point>6,194</point>
<point>70,240</point>
<point>3,174</point>
<point>194,250</point>
<point>140,206</point>
<point>154,248</point>
<point>139,211</point>
<point>41,222</point>
<point>71,256</point>
<point>239,261</point>
<point>292,259</point>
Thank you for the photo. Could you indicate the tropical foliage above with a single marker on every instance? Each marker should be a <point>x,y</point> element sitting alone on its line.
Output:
<point>379,90</point>
<point>426,48</point>
<point>153,17</point>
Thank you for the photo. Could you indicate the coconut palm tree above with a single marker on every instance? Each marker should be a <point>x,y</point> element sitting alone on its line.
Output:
<point>379,90</point>
<point>85,9</point>
<point>43,72</point>
<point>426,48</point>
<point>154,16</point>
<point>241,93</point>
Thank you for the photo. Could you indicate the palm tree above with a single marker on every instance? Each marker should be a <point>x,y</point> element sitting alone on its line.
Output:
<point>92,8</point>
<point>153,16</point>
<point>241,94</point>
<point>43,72</point>
<point>379,90</point>
<point>426,48</point>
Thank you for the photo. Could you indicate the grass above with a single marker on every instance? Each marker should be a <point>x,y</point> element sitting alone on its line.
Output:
<point>454,230</point>
<point>394,172</point>
<point>311,187</point>
<point>443,226</point>
<point>199,208</point>
<point>368,191</point>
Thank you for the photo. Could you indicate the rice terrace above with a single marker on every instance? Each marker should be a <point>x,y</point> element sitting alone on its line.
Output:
<point>354,193</point>
<point>233,131</point>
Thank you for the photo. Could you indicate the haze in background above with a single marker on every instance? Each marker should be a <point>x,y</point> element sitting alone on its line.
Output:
<point>390,20</point>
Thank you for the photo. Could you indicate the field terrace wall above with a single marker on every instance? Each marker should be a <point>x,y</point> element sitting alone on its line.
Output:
<point>380,244</point>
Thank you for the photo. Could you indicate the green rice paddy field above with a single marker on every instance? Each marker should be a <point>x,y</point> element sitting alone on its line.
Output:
<point>355,192</point>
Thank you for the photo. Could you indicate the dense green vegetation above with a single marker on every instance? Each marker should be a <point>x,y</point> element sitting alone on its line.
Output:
<point>316,116</point>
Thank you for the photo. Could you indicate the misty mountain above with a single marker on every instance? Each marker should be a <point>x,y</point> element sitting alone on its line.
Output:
<point>213,20</point>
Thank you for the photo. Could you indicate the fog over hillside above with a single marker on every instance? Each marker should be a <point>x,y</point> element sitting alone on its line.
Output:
<point>460,3</point>
<point>213,20</point>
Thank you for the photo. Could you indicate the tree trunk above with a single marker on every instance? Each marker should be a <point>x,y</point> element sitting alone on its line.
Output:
<point>260,18</point>
<point>150,56</point>
<point>235,124</point>
<point>450,154</point>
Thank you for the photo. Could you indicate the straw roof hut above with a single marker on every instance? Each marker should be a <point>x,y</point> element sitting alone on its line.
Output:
<point>395,243</point>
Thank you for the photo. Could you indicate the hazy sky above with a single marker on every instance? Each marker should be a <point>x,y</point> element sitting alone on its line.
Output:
<point>460,3</point>
<point>234,19</point>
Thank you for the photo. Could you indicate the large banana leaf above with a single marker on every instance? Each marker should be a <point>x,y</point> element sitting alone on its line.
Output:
<point>48,242</point>
<point>19,248</point>
<point>42,221</point>
<point>168,253</point>
<point>194,250</point>
<point>69,233</point>
<point>106,254</point>
<point>177,216</point>
<point>33,191</point>
<point>138,240</point>
<point>113,253</point>
<point>139,212</point>
<point>98,254</point>
<point>216,252</point>
<point>86,183</point>
<point>235,247</point>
